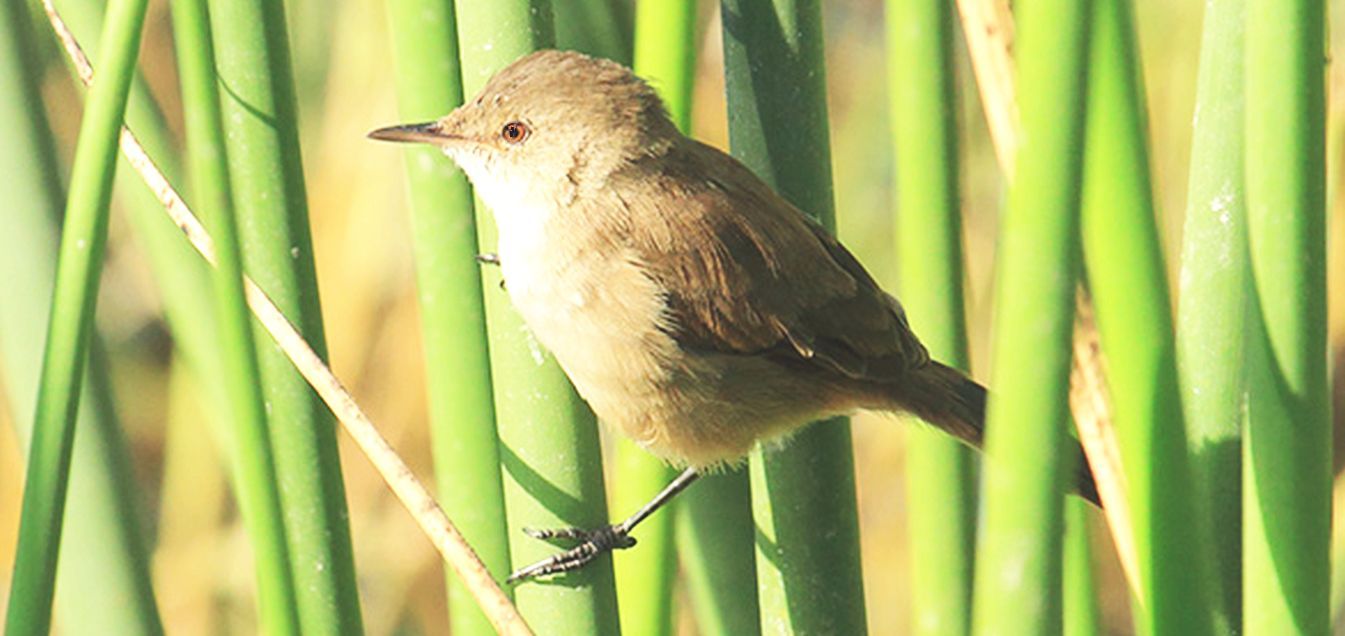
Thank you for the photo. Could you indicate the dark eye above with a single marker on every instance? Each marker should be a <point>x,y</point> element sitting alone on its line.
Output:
<point>515,132</point>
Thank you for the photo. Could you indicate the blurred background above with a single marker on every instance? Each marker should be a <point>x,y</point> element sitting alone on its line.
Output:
<point>362,237</point>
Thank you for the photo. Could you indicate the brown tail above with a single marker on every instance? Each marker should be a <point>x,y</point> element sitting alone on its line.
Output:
<point>944,397</point>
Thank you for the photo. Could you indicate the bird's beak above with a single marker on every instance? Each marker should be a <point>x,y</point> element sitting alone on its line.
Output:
<point>426,133</point>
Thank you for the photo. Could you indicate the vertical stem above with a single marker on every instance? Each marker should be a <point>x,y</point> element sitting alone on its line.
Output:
<point>1211,316</point>
<point>1083,616</point>
<point>68,334</point>
<point>180,274</point>
<point>595,27</point>
<point>549,442</point>
<point>665,41</point>
<point>1130,291</point>
<point>1287,452</point>
<point>103,541</point>
<point>253,65</point>
<point>939,481</point>
<point>1018,568</point>
<point>715,543</point>
<point>665,53</point>
<point>457,357</point>
<point>803,497</point>
<point>254,473</point>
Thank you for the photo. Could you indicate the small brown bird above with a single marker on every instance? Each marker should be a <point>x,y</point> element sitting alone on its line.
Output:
<point>696,310</point>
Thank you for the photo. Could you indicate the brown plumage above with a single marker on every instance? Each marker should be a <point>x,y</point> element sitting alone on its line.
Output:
<point>695,309</point>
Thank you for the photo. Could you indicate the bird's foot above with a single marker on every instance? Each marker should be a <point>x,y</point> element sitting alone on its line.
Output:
<point>591,544</point>
<point>490,258</point>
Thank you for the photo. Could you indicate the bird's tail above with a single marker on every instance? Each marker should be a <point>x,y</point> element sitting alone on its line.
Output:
<point>948,399</point>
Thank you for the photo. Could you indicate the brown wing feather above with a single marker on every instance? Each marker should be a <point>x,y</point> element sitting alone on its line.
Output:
<point>747,273</point>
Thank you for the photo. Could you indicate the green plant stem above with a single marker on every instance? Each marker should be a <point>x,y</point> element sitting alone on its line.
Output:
<point>1211,319</point>
<point>939,474</point>
<point>549,448</point>
<point>664,56</point>
<point>715,542</point>
<point>644,575</point>
<point>1083,616</point>
<point>1287,451</point>
<point>103,541</point>
<point>1018,556</point>
<point>181,276</point>
<point>595,27</point>
<point>1130,292</point>
<point>83,238</point>
<point>457,357</point>
<point>803,495</point>
<point>257,91</point>
<point>254,472</point>
<point>665,53</point>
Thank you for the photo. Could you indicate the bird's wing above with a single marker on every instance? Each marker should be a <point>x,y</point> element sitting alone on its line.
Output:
<point>745,272</point>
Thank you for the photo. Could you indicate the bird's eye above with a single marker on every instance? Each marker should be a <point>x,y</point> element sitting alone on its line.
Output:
<point>515,132</point>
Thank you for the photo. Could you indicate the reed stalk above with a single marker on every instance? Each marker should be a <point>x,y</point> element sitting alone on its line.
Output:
<point>254,472</point>
<point>1211,319</point>
<point>1286,454</point>
<point>940,487</point>
<point>803,494</point>
<point>1018,568</point>
<point>665,39</point>
<point>453,328</point>
<point>266,176</point>
<point>1129,286</point>
<point>103,542</point>
<point>70,325</point>
<point>1083,615</point>
<point>549,447</point>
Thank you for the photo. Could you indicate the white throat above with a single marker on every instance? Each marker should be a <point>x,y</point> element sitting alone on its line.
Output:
<point>522,216</point>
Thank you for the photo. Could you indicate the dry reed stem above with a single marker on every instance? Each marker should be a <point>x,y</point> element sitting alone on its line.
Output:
<point>404,484</point>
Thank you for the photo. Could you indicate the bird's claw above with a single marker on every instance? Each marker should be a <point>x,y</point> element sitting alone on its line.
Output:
<point>592,543</point>
<point>488,258</point>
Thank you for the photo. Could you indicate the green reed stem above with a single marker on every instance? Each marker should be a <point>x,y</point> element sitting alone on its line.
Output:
<point>103,542</point>
<point>549,441</point>
<point>1083,615</point>
<point>1287,452</point>
<point>266,174</point>
<point>83,238</point>
<point>803,495</point>
<point>1211,323</point>
<point>1018,567</point>
<point>254,473</point>
<point>939,482</point>
<point>1130,291</point>
<point>453,327</point>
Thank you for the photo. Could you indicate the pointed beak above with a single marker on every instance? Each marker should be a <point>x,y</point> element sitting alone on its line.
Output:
<point>426,133</point>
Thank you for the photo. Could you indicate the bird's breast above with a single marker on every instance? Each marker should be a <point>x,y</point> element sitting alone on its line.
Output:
<point>597,312</point>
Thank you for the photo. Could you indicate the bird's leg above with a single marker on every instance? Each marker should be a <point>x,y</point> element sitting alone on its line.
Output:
<point>601,540</point>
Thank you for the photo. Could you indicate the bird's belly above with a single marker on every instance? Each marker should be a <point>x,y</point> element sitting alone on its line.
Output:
<point>601,322</point>
<point>604,322</point>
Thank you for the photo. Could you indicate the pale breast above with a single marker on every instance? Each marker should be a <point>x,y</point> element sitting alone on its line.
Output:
<point>598,314</point>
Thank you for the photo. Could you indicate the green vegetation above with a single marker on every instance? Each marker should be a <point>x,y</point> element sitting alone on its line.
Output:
<point>1028,463</point>
<point>70,326</point>
<point>457,357</point>
<point>1221,415</point>
<point>940,484</point>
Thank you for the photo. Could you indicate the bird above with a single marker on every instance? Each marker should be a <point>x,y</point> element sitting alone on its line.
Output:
<point>692,307</point>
